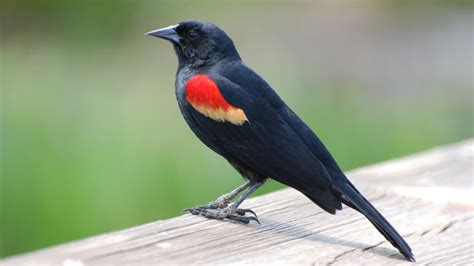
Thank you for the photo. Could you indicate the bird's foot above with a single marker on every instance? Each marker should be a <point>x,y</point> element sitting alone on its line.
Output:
<point>230,212</point>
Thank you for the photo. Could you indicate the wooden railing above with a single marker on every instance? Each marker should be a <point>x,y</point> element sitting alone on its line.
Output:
<point>428,197</point>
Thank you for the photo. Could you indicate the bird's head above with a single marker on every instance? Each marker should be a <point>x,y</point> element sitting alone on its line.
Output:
<point>197,43</point>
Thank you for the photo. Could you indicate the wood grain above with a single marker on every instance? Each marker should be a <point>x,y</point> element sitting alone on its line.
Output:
<point>428,197</point>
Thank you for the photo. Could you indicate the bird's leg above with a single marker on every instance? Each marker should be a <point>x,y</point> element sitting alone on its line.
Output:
<point>232,211</point>
<point>224,200</point>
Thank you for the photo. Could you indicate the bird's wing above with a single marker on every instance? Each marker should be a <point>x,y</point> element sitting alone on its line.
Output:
<point>265,143</point>
<point>305,133</point>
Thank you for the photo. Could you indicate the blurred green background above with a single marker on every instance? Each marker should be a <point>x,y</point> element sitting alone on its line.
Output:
<point>92,139</point>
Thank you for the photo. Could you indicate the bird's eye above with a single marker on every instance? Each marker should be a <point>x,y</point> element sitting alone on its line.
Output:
<point>192,34</point>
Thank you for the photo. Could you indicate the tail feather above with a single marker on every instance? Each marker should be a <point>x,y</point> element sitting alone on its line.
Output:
<point>350,196</point>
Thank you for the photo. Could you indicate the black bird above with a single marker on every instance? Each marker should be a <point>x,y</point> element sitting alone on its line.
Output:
<point>239,116</point>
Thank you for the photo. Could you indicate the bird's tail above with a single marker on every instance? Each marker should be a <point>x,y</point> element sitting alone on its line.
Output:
<point>350,196</point>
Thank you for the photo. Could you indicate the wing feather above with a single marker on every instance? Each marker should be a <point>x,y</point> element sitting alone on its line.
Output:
<point>267,143</point>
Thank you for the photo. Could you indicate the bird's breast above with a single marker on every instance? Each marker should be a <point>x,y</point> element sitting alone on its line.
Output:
<point>203,94</point>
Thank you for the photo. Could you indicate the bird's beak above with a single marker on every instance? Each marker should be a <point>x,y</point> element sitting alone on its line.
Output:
<point>168,33</point>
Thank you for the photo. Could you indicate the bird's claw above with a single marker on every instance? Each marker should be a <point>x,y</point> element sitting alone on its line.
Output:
<point>243,219</point>
<point>237,215</point>
<point>199,207</point>
<point>242,212</point>
<point>196,210</point>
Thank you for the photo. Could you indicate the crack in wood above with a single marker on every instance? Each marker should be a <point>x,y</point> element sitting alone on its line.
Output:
<point>337,257</point>
<point>452,223</point>
<point>373,246</point>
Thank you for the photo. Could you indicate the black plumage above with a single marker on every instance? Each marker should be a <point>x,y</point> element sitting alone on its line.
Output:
<point>273,143</point>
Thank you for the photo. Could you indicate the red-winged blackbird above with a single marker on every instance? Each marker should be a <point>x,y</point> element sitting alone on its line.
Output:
<point>239,116</point>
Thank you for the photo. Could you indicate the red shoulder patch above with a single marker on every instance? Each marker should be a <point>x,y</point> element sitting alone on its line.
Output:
<point>204,95</point>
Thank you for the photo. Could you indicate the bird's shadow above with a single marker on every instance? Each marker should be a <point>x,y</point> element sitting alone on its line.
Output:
<point>298,232</point>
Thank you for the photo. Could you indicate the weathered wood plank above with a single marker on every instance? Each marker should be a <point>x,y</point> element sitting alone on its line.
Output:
<point>428,197</point>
